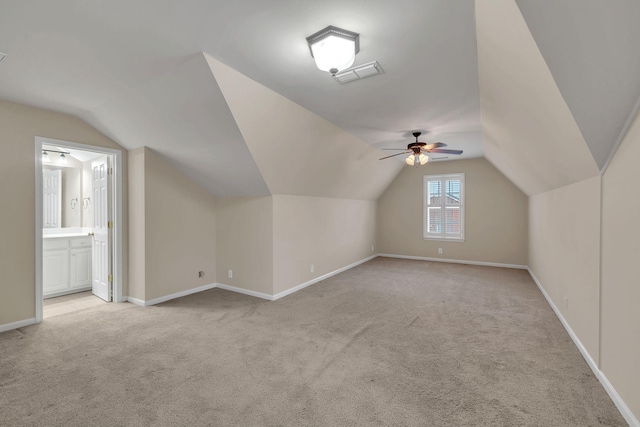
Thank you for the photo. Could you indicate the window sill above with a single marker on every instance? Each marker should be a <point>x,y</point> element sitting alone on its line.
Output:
<point>444,239</point>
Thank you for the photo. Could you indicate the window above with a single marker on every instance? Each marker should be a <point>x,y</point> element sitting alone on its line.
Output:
<point>444,207</point>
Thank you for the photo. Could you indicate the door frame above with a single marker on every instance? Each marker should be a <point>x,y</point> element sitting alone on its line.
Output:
<point>117,209</point>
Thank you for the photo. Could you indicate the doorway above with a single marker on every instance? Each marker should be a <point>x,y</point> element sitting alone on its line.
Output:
<point>78,221</point>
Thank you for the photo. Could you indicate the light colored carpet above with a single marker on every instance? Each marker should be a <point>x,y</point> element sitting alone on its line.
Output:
<point>390,342</point>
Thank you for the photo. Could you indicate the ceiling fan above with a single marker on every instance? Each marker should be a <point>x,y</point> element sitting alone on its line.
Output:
<point>418,149</point>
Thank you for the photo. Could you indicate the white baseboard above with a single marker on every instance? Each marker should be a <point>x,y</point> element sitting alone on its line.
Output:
<point>592,364</point>
<point>622,407</point>
<point>136,301</point>
<point>456,261</point>
<point>147,303</point>
<point>321,278</point>
<point>613,394</point>
<point>256,294</point>
<point>244,291</point>
<point>16,325</point>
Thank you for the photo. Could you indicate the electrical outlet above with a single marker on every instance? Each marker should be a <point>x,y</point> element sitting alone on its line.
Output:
<point>439,250</point>
<point>200,273</point>
<point>312,268</point>
<point>230,274</point>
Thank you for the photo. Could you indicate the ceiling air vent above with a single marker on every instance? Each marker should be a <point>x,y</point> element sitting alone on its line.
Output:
<point>359,72</point>
<point>2,56</point>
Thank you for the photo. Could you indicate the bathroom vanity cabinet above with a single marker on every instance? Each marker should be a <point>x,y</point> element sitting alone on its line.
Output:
<point>66,265</point>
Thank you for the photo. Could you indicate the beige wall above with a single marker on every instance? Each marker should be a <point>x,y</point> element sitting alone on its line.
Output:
<point>328,233</point>
<point>244,242</point>
<point>137,245</point>
<point>176,224</point>
<point>20,125</point>
<point>495,216</point>
<point>564,254</point>
<point>271,242</point>
<point>620,297</point>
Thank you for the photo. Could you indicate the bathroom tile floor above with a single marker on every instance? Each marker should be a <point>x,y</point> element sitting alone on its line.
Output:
<point>70,303</point>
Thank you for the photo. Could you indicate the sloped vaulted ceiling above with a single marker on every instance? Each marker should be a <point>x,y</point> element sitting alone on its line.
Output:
<point>529,132</point>
<point>556,81</point>
<point>135,71</point>
<point>592,49</point>
<point>298,152</point>
<point>184,117</point>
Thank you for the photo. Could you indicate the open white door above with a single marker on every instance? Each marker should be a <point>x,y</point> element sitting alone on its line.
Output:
<point>101,185</point>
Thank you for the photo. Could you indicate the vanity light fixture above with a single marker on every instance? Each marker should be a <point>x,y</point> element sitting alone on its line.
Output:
<point>334,48</point>
<point>47,159</point>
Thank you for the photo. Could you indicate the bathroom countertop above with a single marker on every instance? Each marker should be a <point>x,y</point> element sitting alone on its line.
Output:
<point>61,235</point>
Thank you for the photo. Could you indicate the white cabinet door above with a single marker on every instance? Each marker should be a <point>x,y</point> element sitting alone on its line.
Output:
<point>80,268</point>
<point>55,271</point>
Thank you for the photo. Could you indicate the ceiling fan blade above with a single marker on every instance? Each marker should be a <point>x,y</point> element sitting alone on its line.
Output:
<point>434,145</point>
<point>393,155</point>
<point>395,149</point>
<point>439,150</point>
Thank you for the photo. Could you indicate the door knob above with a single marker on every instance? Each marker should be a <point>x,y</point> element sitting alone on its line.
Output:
<point>90,234</point>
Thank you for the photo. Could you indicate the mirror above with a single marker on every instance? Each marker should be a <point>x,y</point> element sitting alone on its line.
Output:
<point>75,207</point>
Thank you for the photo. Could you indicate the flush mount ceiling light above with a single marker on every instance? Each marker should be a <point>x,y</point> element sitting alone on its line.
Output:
<point>333,48</point>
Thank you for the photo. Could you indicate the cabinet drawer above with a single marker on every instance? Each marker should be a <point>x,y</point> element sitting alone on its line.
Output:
<point>53,244</point>
<point>81,242</point>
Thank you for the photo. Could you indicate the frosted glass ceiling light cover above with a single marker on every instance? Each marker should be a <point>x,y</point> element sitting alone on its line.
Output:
<point>334,49</point>
<point>424,159</point>
<point>63,159</point>
<point>334,53</point>
<point>411,160</point>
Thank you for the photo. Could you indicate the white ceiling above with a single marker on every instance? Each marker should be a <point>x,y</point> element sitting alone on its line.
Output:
<point>135,71</point>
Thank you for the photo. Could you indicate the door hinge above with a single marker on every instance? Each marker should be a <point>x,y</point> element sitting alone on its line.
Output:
<point>110,278</point>
<point>110,224</point>
<point>110,171</point>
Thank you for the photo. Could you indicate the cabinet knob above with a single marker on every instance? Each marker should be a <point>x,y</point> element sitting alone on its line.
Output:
<point>90,234</point>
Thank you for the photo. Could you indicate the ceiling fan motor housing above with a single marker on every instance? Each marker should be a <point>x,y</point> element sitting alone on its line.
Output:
<point>416,146</point>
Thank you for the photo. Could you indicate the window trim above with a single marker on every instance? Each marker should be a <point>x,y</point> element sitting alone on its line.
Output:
<point>442,236</point>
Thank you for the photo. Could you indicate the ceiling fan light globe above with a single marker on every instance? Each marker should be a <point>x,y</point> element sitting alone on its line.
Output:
<point>410,160</point>
<point>423,159</point>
